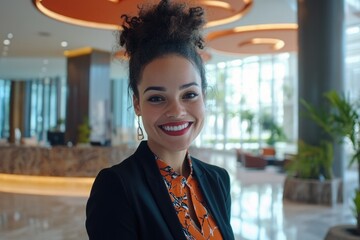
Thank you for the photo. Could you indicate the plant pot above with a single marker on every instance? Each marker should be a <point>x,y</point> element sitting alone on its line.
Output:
<point>343,232</point>
<point>312,191</point>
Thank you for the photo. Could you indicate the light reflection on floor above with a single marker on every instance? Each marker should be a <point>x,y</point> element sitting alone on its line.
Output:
<point>258,211</point>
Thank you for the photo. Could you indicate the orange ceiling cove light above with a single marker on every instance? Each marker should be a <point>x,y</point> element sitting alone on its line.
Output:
<point>275,44</point>
<point>255,39</point>
<point>106,14</point>
<point>224,12</point>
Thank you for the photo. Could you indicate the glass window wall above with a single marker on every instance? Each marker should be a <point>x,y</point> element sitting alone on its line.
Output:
<point>247,95</point>
<point>4,108</point>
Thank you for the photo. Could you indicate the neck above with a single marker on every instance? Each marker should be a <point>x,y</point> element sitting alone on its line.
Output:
<point>175,159</point>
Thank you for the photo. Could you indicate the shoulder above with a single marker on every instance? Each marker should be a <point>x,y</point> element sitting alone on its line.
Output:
<point>117,174</point>
<point>134,163</point>
<point>135,168</point>
<point>123,179</point>
<point>211,171</point>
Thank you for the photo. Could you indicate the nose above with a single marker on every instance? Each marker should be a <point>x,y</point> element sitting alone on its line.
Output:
<point>175,110</point>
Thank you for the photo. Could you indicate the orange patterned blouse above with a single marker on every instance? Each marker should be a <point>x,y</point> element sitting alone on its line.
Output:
<point>178,188</point>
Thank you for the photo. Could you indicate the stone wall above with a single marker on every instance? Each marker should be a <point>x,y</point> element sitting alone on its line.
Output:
<point>60,161</point>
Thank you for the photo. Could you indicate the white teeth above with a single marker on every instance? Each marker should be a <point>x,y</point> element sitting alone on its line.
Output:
<point>175,128</point>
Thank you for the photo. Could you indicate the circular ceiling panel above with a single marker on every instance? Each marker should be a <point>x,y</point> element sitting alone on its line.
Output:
<point>106,14</point>
<point>255,39</point>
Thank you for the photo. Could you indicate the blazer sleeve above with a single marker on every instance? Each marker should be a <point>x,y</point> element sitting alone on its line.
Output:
<point>226,180</point>
<point>109,212</point>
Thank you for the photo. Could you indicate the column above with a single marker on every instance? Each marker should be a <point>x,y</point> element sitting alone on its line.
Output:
<point>19,116</point>
<point>88,82</point>
<point>321,62</point>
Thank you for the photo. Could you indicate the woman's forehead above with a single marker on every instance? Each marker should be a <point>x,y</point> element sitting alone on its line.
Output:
<point>170,70</point>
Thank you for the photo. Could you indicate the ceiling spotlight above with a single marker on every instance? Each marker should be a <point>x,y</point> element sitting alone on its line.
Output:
<point>6,42</point>
<point>10,35</point>
<point>64,44</point>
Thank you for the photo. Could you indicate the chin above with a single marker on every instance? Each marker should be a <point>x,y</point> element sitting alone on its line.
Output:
<point>178,145</point>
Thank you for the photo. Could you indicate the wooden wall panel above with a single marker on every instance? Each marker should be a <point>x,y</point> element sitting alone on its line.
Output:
<point>88,82</point>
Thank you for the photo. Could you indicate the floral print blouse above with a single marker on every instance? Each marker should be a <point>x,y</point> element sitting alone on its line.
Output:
<point>179,187</point>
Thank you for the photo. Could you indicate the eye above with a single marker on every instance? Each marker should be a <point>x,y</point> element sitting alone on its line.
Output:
<point>156,99</point>
<point>190,95</point>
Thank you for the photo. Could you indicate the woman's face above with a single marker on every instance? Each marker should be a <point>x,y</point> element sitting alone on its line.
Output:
<point>171,103</point>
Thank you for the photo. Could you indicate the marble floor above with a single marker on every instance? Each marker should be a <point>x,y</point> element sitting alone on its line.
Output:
<point>258,210</point>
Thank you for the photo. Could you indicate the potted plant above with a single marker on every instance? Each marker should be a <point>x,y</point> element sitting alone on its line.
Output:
<point>342,121</point>
<point>313,162</point>
<point>276,132</point>
<point>84,131</point>
<point>248,116</point>
<point>310,178</point>
<point>356,208</point>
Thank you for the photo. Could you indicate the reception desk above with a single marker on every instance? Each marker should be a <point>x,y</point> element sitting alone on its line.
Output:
<point>59,160</point>
<point>60,170</point>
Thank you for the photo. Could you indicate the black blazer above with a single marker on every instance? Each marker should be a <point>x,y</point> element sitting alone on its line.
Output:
<point>130,200</point>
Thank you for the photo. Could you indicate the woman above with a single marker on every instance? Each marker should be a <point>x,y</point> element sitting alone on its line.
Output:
<point>160,192</point>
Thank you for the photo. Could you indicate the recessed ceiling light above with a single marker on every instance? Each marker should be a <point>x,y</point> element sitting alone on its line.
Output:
<point>6,42</point>
<point>64,44</point>
<point>10,35</point>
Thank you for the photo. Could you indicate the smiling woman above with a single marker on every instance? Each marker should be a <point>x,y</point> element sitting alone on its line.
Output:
<point>161,191</point>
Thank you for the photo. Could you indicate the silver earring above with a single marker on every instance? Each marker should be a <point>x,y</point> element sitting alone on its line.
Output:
<point>140,133</point>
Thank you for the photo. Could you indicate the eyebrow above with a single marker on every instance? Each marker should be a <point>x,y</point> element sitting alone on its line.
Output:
<point>189,85</point>
<point>163,89</point>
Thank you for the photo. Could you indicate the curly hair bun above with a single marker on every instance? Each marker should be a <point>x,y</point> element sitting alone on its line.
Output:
<point>168,22</point>
<point>169,27</point>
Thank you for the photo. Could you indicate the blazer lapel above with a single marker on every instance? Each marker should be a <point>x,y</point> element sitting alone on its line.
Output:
<point>211,202</point>
<point>159,191</point>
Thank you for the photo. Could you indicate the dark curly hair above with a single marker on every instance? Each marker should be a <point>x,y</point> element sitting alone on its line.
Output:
<point>166,28</point>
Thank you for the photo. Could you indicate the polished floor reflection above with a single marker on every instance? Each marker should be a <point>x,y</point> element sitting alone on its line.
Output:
<point>258,211</point>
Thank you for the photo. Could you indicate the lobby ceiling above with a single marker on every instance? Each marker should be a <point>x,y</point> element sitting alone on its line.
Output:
<point>37,42</point>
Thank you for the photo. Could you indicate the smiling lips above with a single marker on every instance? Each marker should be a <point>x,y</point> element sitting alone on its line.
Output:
<point>176,129</point>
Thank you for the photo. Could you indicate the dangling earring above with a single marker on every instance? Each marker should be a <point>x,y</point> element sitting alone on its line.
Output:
<point>140,133</point>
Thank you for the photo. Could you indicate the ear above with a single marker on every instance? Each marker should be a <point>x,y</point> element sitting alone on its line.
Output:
<point>136,105</point>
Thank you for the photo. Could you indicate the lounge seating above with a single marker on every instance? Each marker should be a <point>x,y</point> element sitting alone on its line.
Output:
<point>268,152</point>
<point>249,160</point>
<point>253,161</point>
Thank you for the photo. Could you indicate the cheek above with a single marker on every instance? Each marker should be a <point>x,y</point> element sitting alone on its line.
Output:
<point>199,110</point>
<point>149,114</point>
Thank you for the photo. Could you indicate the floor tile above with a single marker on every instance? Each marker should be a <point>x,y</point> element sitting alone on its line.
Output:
<point>258,210</point>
